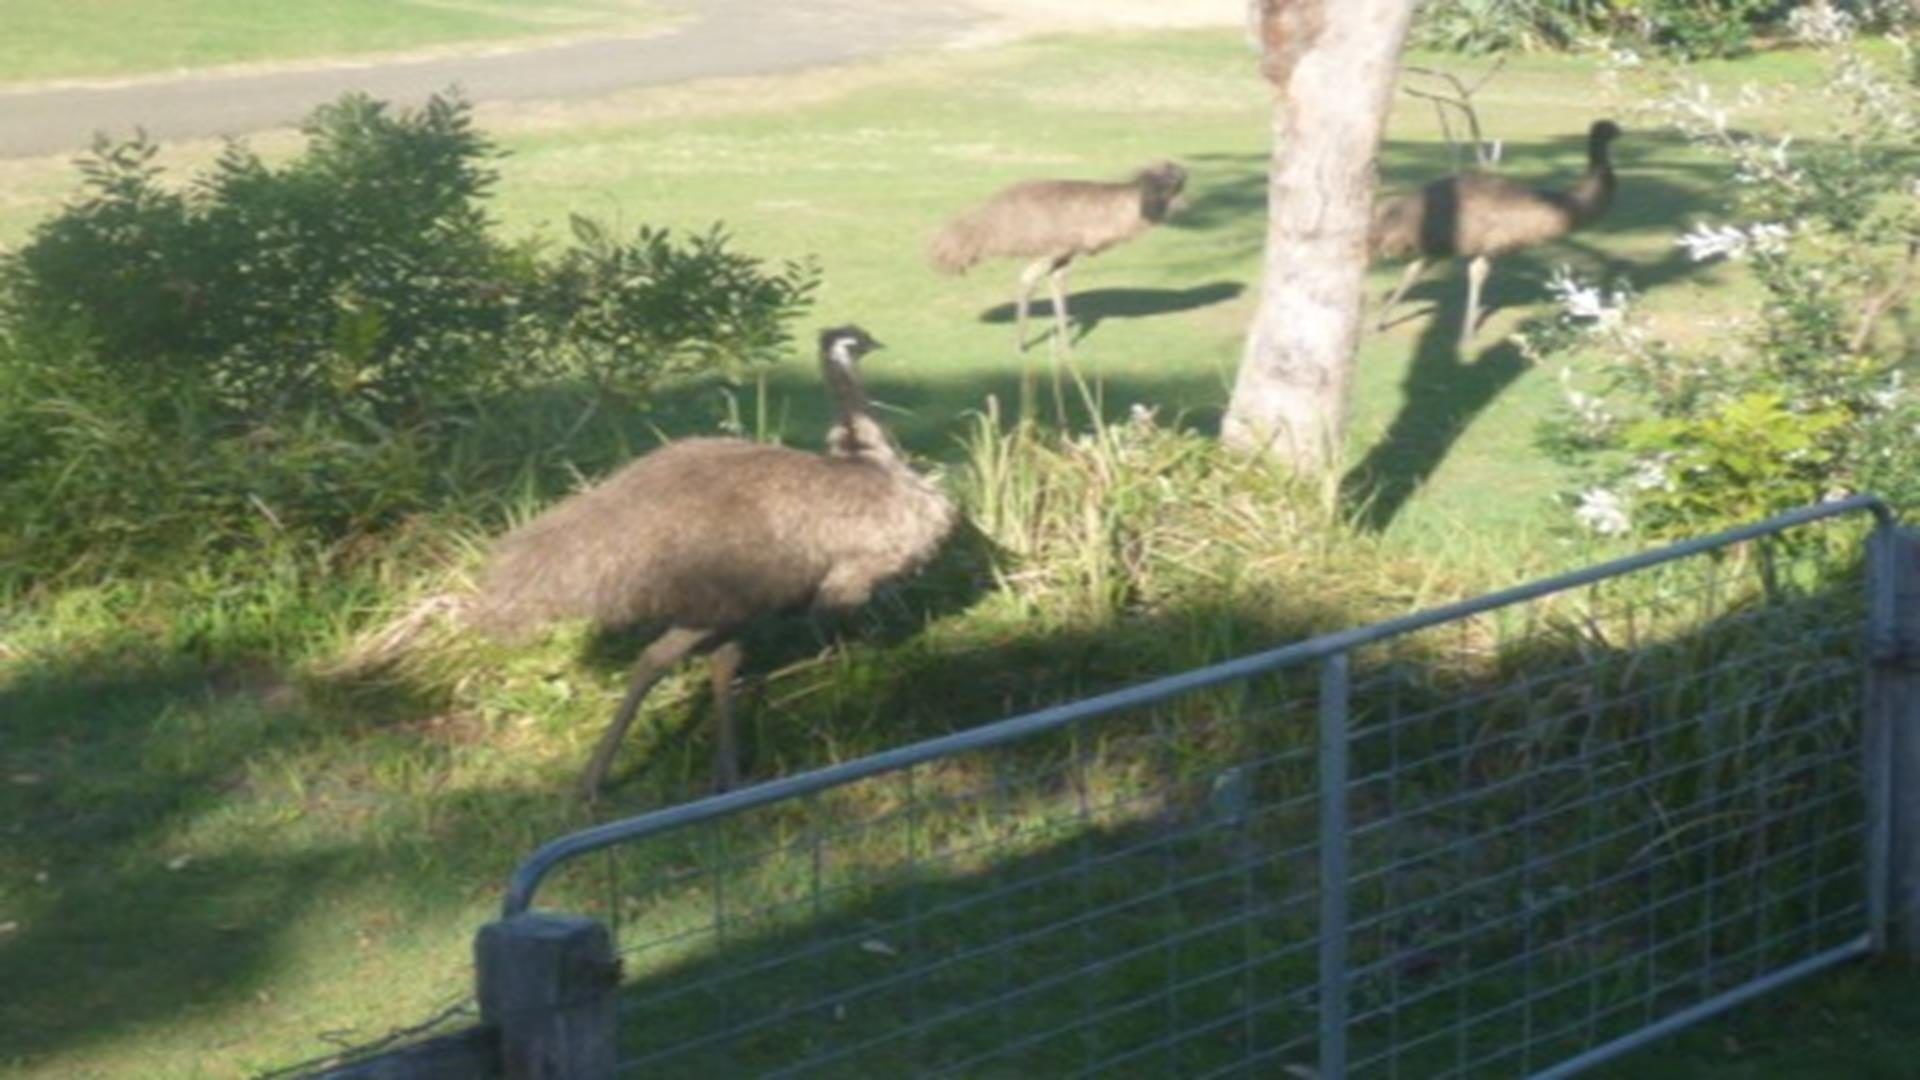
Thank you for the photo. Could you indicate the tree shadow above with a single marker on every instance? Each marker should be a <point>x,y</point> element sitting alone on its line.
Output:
<point>1138,893</point>
<point>1090,308</point>
<point>1445,392</point>
<point>104,768</point>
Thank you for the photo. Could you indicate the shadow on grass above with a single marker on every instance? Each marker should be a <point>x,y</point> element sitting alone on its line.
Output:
<point>1091,308</point>
<point>120,921</point>
<point>1129,848</point>
<point>1445,391</point>
<point>1549,843</point>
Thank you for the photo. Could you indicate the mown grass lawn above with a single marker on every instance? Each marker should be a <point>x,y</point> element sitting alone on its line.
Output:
<point>57,39</point>
<point>215,864</point>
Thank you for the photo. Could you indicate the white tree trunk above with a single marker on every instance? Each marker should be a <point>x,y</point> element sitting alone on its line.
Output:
<point>1333,64</point>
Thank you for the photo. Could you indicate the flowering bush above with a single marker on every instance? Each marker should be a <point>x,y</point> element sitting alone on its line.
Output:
<point>1802,397</point>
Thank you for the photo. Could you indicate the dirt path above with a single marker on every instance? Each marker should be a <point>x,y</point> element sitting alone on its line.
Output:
<point>717,38</point>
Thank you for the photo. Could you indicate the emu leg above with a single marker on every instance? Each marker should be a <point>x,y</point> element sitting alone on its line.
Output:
<point>1476,277</point>
<point>722,664</point>
<point>1057,287</point>
<point>1393,296</point>
<point>656,660</point>
<point>1029,278</point>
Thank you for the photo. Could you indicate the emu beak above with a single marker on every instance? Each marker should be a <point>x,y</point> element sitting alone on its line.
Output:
<point>875,345</point>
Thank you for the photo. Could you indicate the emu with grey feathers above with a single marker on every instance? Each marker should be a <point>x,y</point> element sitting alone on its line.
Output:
<point>1480,216</point>
<point>1054,222</point>
<point>704,536</point>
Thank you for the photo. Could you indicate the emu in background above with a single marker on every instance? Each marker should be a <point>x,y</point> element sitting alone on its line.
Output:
<point>1480,216</point>
<point>704,536</point>
<point>1054,222</point>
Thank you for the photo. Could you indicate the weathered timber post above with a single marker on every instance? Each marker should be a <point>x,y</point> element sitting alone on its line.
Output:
<point>1893,738</point>
<point>547,986</point>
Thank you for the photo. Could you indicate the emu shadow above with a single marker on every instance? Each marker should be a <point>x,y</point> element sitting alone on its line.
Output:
<point>1445,391</point>
<point>1090,308</point>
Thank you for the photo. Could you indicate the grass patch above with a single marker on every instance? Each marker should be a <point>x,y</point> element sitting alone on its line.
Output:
<point>55,39</point>
<point>221,837</point>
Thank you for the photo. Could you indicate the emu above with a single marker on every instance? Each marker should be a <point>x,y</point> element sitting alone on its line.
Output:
<point>1481,217</point>
<point>1054,222</point>
<point>703,537</point>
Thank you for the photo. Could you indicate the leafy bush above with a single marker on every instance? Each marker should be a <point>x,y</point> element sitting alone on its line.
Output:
<point>1802,398</point>
<point>318,348</point>
<point>1489,26</point>
<point>1687,28</point>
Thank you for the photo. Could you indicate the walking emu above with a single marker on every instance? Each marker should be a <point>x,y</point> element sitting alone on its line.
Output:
<point>1481,217</point>
<point>704,536</point>
<point>1054,222</point>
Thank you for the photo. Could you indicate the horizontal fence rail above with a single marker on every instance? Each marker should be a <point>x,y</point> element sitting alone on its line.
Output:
<point>1516,835</point>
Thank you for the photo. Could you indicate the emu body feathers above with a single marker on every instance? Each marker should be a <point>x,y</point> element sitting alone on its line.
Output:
<point>704,536</point>
<point>1481,216</point>
<point>1054,222</point>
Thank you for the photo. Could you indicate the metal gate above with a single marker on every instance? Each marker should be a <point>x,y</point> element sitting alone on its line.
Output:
<point>1517,835</point>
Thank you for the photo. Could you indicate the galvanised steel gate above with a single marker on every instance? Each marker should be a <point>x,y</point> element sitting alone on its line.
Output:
<point>1518,835</point>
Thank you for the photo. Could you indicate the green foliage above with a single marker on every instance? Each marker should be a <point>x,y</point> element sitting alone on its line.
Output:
<point>626,314</point>
<point>1489,26</point>
<point>1685,28</point>
<point>1807,395</point>
<point>1738,461</point>
<point>308,348</point>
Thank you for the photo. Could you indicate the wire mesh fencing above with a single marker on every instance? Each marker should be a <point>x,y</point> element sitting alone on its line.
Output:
<point>1509,837</point>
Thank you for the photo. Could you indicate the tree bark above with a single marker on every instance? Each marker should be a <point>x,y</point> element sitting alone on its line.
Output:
<point>1333,65</point>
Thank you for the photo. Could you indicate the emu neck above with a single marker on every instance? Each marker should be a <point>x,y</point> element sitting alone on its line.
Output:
<point>855,432</point>
<point>1593,195</point>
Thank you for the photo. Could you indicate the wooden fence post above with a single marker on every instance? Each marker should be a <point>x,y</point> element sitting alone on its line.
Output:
<point>547,985</point>
<point>1893,738</point>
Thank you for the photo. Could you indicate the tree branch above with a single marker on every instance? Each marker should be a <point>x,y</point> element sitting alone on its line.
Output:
<point>1883,301</point>
<point>1461,99</point>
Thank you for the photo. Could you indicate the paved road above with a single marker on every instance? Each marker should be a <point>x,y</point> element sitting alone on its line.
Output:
<point>722,38</point>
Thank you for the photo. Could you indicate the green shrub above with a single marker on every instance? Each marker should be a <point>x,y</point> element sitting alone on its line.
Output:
<point>1686,28</point>
<point>320,348</point>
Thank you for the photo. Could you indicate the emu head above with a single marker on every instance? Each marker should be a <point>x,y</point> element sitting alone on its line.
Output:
<point>1160,186</point>
<point>1602,133</point>
<point>845,345</point>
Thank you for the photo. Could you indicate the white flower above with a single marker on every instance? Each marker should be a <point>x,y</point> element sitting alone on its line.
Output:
<point>1821,24</point>
<point>1890,397</point>
<point>1590,412</point>
<point>1769,238</point>
<point>1603,511</point>
<point>1706,242</point>
<point>1580,300</point>
<point>1651,474</point>
<point>1733,242</point>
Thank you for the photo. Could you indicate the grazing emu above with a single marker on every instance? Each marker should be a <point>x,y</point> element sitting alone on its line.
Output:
<point>704,536</point>
<point>1054,222</point>
<point>1480,216</point>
